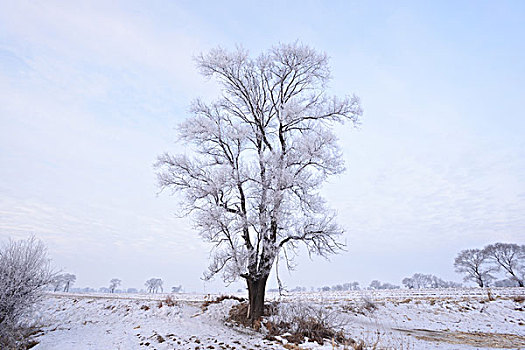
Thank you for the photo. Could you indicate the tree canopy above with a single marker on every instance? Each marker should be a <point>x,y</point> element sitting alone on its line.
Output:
<point>260,154</point>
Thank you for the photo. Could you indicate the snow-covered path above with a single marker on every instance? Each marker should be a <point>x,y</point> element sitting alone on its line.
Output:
<point>85,323</point>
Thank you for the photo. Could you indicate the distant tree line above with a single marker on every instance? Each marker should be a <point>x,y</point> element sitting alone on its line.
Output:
<point>422,281</point>
<point>63,283</point>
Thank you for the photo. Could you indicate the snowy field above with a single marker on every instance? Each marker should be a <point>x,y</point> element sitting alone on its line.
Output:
<point>387,319</point>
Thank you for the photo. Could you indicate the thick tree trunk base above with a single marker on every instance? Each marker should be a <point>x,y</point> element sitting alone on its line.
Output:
<point>256,292</point>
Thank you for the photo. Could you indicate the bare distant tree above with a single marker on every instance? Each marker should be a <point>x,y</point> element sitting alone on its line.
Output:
<point>24,273</point>
<point>510,257</point>
<point>262,151</point>
<point>113,284</point>
<point>176,289</point>
<point>154,284</point>
<point>68,279</point>
<point>57,282</point>
<point>473,263</point>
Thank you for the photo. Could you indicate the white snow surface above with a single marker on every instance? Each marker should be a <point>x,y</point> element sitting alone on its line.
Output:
<point>402,319</point>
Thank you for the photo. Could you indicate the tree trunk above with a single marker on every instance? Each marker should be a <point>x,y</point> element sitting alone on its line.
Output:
<point>256,291</point>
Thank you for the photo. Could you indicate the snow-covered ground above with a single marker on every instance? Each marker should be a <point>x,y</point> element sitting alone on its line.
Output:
<point>401,319</point>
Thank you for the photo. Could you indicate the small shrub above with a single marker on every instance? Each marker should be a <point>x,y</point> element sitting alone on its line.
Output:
<point>238,314</point>
<point>168,301</point>
<point>24,273</point>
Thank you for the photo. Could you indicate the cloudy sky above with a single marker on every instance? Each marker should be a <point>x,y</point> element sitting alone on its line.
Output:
<point>91,93</point>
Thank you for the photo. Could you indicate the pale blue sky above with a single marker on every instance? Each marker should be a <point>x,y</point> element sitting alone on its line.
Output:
<point>90,94</point>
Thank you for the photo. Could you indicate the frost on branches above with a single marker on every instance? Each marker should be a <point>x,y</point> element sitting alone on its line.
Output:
<point>474,264</point>
<point>24,273</point>
<point>261,152</point>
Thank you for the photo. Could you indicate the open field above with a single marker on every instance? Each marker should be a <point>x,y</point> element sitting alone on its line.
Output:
<point>386,319</point>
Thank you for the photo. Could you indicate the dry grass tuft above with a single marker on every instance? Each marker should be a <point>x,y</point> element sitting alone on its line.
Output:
<point>301,322</point>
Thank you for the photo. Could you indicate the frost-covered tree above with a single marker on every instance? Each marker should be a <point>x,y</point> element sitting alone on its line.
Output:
<point>510,257</point>
<point>261,153</point>
<point>408,282</point>
<point>177,289</point>
<point>68,279</point>
<point>113,284</point>
<point>57,282</point>
<point>474,264</point>
<point>153,285</point>
<point>63,281</point>
<point>24,273</point>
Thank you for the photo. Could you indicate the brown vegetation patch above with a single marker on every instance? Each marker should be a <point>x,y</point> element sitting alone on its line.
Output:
<point>311,328</point>
<point>239,314</point>
<point>298,326</point>
<point>220,299</point>
<point>477,339</point>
